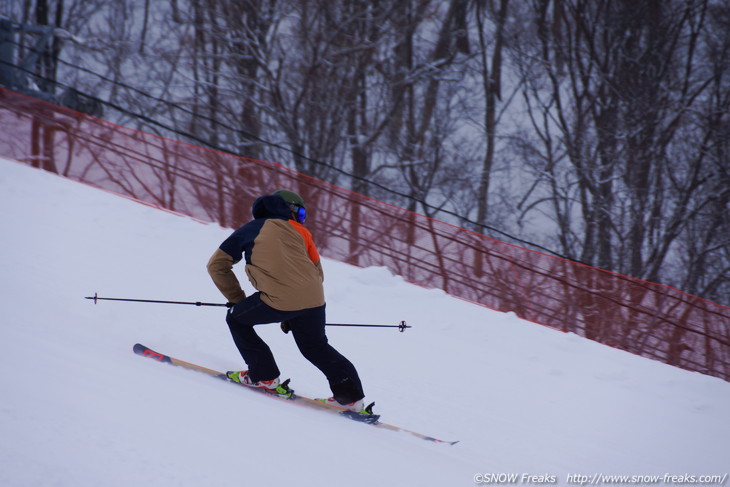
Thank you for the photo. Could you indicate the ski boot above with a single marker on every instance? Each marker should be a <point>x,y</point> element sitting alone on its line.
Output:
<point>356,411</point>
<point>273,386</point>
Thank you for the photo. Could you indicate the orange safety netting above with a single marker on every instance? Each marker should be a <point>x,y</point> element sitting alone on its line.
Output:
<point>644,318</point>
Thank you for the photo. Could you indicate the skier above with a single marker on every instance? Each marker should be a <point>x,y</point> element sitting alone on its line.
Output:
<point>283,264</point>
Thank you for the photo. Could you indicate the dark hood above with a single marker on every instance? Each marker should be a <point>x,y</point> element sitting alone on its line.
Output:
<point>271,206</point>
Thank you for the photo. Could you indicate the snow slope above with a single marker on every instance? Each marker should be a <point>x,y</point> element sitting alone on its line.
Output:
<point>80,409</point>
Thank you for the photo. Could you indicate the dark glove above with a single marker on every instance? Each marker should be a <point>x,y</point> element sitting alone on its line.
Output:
<point>230,305</point>
<point>285,326</point>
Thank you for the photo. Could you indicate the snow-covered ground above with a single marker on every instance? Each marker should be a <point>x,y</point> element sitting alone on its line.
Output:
<point>78,408</point>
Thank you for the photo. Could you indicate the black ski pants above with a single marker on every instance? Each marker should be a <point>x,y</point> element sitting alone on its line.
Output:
<point>307,327</point>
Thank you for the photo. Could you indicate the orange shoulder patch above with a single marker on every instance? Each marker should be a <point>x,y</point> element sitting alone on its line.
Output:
<point>308,241</point>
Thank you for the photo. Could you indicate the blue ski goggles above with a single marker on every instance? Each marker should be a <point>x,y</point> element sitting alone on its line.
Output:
<point>299,212</point>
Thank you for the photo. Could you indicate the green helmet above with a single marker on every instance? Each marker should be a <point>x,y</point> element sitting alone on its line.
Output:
<point>291,197</point>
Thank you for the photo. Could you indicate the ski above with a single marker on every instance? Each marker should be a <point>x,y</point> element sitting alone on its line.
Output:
<point>372,419</point>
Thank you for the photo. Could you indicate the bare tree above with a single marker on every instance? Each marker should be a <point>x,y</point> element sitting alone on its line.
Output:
<point>492,85</point>
<point>611,100</point>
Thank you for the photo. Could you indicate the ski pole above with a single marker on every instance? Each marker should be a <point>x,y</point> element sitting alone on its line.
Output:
<point>401,326</point>
<point>195,303</point>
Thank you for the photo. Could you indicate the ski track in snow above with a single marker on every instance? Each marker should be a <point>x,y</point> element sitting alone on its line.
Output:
<point>80,409</point>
